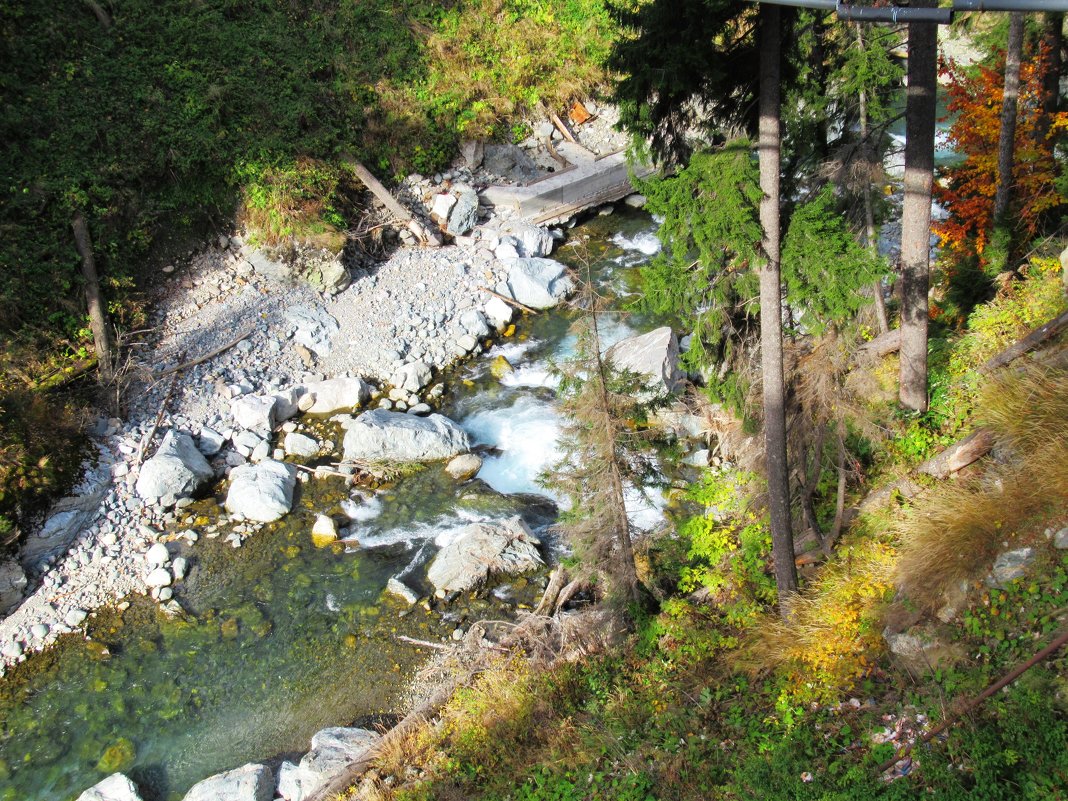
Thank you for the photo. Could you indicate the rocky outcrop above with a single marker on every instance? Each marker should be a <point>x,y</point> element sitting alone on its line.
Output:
<point>1011,565</point>
<point>482,549</point>
<point>247,783</point>
<point>115,787</point>
<point>922,649</point>
<point>261,492</point>
<point>176,471</point>
<point>538,283</point>
<point>654,355</point>
<point>396,437</point>
<point>68,517</point>
<point>331,751</point>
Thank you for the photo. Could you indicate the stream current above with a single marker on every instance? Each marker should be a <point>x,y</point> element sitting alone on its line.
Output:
<point>281,638</point>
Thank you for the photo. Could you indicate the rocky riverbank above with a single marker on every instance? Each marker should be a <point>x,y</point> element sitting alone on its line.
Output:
<point>240,337</point>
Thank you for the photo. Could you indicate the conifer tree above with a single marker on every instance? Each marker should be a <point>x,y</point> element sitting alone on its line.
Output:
<point>603,408</point>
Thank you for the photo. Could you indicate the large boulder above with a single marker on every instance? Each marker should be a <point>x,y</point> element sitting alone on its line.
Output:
<point>177,470</point>
<point>115,787</point>
<point>481,549</point>
<point>269,265</point>
<point>509,161</point>
<point>398,437</point>
<point>247,783</point>
<point>336,395</point>
<point>262,492</point>
<point>654,355</point>
<point>12,585</point>
<point>538,283</point>
<point>332,750</point>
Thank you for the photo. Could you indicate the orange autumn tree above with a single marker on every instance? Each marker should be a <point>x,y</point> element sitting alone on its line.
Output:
<point>967,189</point>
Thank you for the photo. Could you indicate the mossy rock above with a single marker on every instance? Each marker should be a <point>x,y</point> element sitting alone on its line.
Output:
<point>118,757</point>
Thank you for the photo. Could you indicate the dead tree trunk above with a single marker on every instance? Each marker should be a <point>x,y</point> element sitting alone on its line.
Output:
<point>771,356</point>
<point>98,320</point>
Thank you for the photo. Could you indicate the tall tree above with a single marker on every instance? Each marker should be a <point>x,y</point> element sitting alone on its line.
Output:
<point>771,359</point>
<point>1052,44</point>
<point>1009,104</point>
<point>97,314</point>
<point>916,210</point>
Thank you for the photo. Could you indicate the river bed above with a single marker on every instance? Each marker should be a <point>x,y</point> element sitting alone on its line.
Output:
<point>283,638</point>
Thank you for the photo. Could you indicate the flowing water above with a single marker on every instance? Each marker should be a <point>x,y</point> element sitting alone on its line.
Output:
<point>282,638</point>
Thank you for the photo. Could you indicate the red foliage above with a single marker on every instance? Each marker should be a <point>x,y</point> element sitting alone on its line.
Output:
<point>967,189</point>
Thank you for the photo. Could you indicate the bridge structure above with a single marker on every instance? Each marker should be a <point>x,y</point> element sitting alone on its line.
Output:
<point>555,198</point>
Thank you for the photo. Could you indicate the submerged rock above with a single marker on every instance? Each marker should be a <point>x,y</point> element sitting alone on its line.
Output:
<point>538,283</point>
<point>247,783</point>
<point>261,492</point>
<point>115,787</point>
<point>397,437</point>
<point>654,355</point>
<point>178,469</point>
<point>464,466</point>
<point>324,531</point>
<point>481,549</point>
<point>332,750</point>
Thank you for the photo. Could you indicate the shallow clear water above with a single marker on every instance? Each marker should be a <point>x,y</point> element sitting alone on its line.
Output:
<point>282,638</point>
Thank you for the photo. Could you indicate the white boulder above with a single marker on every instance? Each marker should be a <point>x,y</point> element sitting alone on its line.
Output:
<point>115,787</point>
<point>262,492</point>
<point>247,783</point>
<point>177,469</point>
<point>533,241</point>
<point>255,413</point>
<point>332,750</point>
<point>399,437</point>
<point>482,549</point>
<point>498,313</point>
<point>538,283</point>
<point>335,395</point>
<point>412,377</point>
<point>300,445</point>
<point>654,355</point>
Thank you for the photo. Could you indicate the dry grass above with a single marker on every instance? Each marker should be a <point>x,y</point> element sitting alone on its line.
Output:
<point>956,528</point>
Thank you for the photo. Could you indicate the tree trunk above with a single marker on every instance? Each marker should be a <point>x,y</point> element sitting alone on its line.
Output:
<point>771,358</point>
<point>916,211</point>
<point>1053,41</point>
<point>1009,103</point>
<point>869,209</point>
<point>97,316</point>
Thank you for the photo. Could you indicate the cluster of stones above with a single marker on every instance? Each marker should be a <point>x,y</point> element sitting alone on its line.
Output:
<point>332,750</point>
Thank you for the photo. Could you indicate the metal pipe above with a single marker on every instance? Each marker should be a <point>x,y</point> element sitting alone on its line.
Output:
<point>938,16</point>
<point>908,14</point>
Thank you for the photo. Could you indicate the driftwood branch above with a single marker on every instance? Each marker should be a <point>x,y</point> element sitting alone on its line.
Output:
<point>209,355</point>
<point>1042,334</point>
<point>508,300</point>
<point>392,205</point>
<point>438,646</point>
<point>968,706</point>
<point>146,440</point>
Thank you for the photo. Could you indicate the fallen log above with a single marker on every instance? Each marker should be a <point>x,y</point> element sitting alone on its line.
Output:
<point>959,455</point>
<point>882,345</point>
<point>1042,334</point>
<point>392,205</point>
<point>547,604</point>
